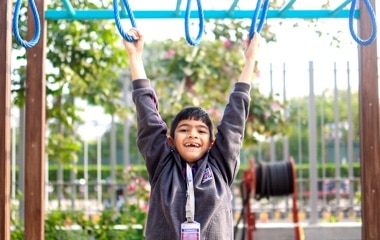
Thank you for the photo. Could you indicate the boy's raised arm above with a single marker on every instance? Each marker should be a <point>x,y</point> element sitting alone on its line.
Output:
<point>250,59</point>
<point>135,50</point>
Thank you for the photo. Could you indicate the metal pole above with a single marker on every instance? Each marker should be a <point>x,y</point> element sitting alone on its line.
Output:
<point>127,122</point>
<point>312,148</point>
<point>337,179</point>
<point>272,142</point>
<point>113,161</point>
<point>300,155</point>
<point>286,138</point>
<point>350,138</point>
<point>60,184</point>
<point>99,172</point>
<point>286,116</point>
<point>323,157</point>
<point>73,185</point>
<point>85,173</point>
<point>13,159</point>
<point>46,183</point>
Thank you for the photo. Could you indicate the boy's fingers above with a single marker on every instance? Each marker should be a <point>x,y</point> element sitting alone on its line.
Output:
<point>133,33</point>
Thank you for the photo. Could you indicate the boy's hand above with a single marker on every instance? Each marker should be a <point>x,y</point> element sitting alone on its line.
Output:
<point>136,47</point>
<point>250,58</point>
<point>253,47</point>
<point>135,50</point>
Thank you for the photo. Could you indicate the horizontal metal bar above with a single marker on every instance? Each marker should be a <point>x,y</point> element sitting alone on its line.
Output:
<point>99,14</point>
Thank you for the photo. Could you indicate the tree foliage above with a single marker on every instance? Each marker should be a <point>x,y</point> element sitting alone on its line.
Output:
<point>83,63</point>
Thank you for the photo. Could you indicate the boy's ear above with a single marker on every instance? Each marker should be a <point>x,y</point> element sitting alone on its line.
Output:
<point>212,143</point>
<point>170,141</point>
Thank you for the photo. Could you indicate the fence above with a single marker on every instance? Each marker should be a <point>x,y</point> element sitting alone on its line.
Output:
<point>325,142</point>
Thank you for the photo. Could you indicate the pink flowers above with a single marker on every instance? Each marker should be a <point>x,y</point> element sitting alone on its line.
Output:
<point>169,54</point>
<point>275,106</point>
<point>138,189</point>
<point>214,112</point>
<point>136,183</point>
<point>227,44</point>
<point>144,207</point>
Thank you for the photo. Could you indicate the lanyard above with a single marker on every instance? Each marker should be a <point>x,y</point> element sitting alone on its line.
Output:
<point>190,201</point>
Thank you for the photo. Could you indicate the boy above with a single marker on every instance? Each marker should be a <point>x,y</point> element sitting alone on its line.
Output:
<point>190,172</point>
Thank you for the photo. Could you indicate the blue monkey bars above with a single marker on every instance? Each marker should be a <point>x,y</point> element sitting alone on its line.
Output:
<point>98,14</point>
<point>69,13</point>
<point>287,11</point>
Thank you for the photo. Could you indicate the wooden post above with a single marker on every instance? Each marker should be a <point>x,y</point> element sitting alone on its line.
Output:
<point>35,131</point>
<point>369,129</point>
<point>5,116</point>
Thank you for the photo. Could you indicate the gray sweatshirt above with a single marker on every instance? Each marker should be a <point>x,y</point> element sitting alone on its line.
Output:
<point>216,172</point>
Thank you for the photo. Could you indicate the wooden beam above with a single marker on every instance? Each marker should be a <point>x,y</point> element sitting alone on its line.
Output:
<point>369,129</point>
<point>5,116</point>
<point>35,130</point>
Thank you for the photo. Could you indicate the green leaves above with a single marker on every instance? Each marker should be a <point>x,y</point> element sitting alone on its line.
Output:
<point>84,60</point>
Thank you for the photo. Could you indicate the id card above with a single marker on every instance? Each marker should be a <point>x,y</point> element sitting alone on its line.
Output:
<point>190,231</point>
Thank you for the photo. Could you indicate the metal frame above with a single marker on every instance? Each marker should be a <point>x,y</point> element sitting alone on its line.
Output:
<point>70,13</point>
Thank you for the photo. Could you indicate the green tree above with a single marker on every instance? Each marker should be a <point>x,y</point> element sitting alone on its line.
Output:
<point>83,63</point>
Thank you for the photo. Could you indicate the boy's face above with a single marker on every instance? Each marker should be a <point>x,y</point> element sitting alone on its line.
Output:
<point>191,140</point>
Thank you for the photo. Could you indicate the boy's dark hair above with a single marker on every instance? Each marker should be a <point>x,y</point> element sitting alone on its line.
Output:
<point>195,113</point>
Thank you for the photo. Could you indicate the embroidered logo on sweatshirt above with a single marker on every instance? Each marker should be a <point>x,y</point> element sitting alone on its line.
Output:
<point>207,175</point>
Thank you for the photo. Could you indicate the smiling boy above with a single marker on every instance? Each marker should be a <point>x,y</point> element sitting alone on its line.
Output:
<point>191,134</point>
<point>190,171</point>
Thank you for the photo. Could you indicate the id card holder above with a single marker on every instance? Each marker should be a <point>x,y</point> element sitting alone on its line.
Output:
<point>190,231</point>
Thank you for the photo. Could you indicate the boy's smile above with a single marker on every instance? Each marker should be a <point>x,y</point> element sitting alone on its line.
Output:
<point>191,140</point>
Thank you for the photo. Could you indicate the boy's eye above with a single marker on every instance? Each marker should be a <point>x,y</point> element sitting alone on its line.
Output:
<point>202,132</point>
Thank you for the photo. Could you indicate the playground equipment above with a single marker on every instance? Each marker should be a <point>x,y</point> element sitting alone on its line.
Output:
<point>35,101</point>
<point>262,10</point>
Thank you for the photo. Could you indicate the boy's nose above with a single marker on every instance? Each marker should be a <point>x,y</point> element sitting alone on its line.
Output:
<point>193,135</point>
